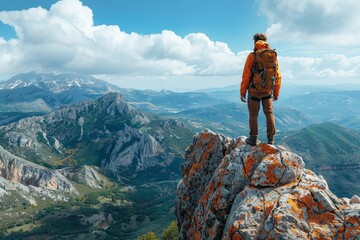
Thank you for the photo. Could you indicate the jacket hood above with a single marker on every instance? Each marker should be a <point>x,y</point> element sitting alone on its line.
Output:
<point>260,44</point>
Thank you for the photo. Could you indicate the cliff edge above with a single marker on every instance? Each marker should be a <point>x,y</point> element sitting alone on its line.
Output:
<point>230,190</point>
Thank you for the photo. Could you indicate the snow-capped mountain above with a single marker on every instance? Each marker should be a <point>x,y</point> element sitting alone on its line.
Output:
<point>32,94</point>
<point>57,83</point>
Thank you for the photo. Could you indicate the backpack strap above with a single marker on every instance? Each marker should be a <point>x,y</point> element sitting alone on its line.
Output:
<point>253,69</point>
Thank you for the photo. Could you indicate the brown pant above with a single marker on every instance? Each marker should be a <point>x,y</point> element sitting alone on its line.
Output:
<point>254,107</point>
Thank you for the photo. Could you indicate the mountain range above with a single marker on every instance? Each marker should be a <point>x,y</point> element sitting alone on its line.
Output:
<point>34,94</point>
<point>90,158</point>
<point>232,119</point>
<point>107,133</point>
<point>106,160</point>
<point>337,104</point>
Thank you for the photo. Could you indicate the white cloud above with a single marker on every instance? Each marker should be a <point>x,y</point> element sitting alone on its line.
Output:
<point>64,38</point>
<point>330,69</point>
<point>333,22</point>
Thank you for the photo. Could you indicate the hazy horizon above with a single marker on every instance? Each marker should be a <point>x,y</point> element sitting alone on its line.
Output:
<point>218,87</point>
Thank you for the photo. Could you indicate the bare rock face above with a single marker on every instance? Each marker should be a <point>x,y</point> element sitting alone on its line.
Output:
<point>230,190</point>
<point>132,148</point>
<point>88,175</point>
<point>27,173</point>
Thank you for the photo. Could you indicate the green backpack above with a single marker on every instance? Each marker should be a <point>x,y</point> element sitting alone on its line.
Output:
<point>265,70</point>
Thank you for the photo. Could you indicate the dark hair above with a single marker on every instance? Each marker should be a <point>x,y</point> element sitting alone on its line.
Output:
<point>259,36</point>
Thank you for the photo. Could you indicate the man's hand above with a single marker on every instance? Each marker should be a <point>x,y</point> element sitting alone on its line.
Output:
<point>242,98</point>
<point>275,98</point>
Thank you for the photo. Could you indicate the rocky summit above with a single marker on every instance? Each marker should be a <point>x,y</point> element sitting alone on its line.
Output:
<point>230,190</point>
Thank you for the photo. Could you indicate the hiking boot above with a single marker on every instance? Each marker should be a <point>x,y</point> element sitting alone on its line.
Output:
<point>251,140</point>
<point>271,140</point>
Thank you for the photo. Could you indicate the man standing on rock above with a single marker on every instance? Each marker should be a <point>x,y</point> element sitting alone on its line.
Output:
<point>262,80</point>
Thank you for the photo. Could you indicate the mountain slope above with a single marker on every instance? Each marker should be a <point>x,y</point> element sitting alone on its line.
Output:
<point>331,151</point>
<point>27,173</point>
<point>141,155</point>
<point>232,118</point>
<point>326,144</point>
<point>326,106</point>
<point>107,132</point>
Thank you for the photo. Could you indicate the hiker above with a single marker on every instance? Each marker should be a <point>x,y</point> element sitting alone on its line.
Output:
<point>261,79</point>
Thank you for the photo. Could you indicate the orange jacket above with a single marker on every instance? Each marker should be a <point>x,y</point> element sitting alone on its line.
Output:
<point>247,73</point>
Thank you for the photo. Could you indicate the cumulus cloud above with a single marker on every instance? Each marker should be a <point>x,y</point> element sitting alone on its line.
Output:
<point>330,69</point>
<point>64,38</point>
<point>332,22</point>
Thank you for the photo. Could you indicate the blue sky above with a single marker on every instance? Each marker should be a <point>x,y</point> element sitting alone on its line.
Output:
<point>179,45</point>
<point>226,21</point>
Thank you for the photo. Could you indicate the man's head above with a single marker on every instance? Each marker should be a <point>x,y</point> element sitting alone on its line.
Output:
<point>259,36</point>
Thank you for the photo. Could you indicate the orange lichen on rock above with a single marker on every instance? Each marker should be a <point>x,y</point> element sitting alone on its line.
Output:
<point>292,164</point>
<point>278,217</point>
<point>197,235</point>
<point>239,142</point>
<point>269,207</point>
<point>203,138</point>
<point>257,208</point>
<point>320,218</point>
<point>237,236</point>
<point>353,229</point>
<point>222,169</point>
<point>248,165</point>
<point>217,200</point>
<point>353,220</point>
<point>233,191</point>
<point>233,228</point>
<point>321,206</point>
<point>271,175</point>
<point>308,200</point>
<point>209,191</point>
<point>212,232</point>
<point>352,223</point>
<point>267,149</point>
<point>198,166</point>
<point>214,194</point>
<point>214,188</point>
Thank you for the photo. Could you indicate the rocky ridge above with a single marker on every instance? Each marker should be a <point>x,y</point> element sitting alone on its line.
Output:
<point>19,170</point>
<point>91,176</point>
<point>31,181</point>
<point>108,133</point>
<point>230,190</point>
<point>45,138</point>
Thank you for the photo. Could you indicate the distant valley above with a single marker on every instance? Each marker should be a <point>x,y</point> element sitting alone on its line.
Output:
<point>99,163</point>
<point>331,151</point>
